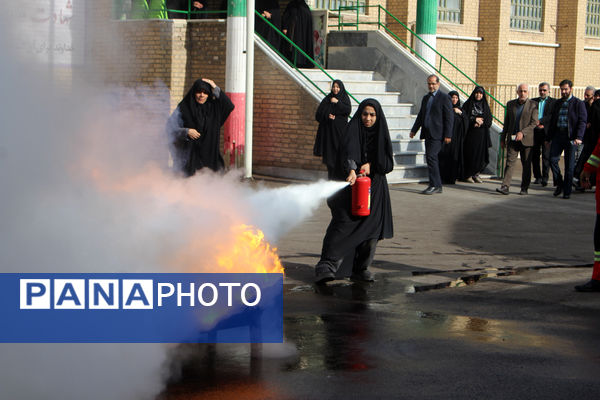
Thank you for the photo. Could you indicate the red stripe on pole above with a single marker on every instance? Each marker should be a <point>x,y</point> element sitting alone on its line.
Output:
<point>235,127</point>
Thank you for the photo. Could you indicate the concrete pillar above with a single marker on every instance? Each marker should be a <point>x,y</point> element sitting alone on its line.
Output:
<point>235,78</point>
<point>426,29</point>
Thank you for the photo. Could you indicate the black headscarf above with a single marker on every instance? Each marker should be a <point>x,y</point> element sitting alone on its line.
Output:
<point>477,108</point>
<point>325,108</point>
<point>454,93</point>
<point>370,144</point>
<point>194,114</point>
<point>342,96</point>
<point>207,119</point>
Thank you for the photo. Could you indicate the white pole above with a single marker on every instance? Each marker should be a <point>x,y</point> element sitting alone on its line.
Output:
<point>249,87</point>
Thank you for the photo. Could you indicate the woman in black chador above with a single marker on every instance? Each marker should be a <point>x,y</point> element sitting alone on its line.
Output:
<point>270,10</point>
<point>332,116</point>
<point>477,140</point>
<point>194,128</point>
<point>368,148</point>
<point>451,156</point>
<point>296,24</point>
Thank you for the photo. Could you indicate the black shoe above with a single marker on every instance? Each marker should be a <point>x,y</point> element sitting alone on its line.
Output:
<point>432,190</point>
<point>503,190</point>
<point>537,181</point>
<point>362,276</point>
<point>523,192</point>
<point>544,183</point>
<point>566,196</point>
<point>323,276</point>
<point>592,286</point>
<point>557,191</point>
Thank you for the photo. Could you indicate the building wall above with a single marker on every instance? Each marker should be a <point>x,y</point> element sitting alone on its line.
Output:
<point>591,65</point>
<point>460,51</point>
<point>172,54</point>
<point>284,123</point>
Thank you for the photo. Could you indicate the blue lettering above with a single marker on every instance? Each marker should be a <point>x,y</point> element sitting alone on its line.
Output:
<point>137,288</point>
<point>109,297</point>
<point>65,296</point>
<point>31,294</point>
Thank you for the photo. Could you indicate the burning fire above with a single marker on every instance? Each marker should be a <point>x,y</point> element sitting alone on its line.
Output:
<point>249,252</point>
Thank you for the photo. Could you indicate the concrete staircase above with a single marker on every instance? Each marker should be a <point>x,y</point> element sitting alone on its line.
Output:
<point>409,154</point>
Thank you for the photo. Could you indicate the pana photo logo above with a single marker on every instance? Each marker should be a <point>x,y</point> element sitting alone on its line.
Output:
<point>142,308</point>
<point>132,294</point>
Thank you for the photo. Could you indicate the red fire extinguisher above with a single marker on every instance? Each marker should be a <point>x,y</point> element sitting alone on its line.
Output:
<point>361,196</point>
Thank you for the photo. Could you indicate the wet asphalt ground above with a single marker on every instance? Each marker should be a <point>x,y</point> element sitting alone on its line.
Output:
<point>473,299</point>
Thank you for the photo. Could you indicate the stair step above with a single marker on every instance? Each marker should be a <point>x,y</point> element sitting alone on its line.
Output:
<point>401,133</point>
<point>400,122</point>
<point>355,86</point>
<point>403,145</point>
<point>343,75</point>
<point>404,173</point>
<point>382,98</point>
<point>409,157</point>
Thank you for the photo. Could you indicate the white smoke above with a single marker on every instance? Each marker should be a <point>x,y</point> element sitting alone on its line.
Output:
<point>86,188</point>
<point>279,210</point>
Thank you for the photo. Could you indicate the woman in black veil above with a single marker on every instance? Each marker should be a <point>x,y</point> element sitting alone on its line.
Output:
<point>477,140</point>
<point>194,128</point>
<point>296,24</point>
<point>451,156</point>
<point>332,115</point>
<point>368,149</point>
<point>271,11</point>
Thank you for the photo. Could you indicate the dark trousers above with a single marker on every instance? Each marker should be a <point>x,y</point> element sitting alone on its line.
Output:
<point>559,144</point>
<point>540,148</point>
<point>513,150</point>
<point>432,150</point>
<point>363,256</point>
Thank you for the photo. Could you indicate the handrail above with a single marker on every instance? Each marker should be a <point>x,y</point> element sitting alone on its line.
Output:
<point>316,64</point>
<point>146,9</point>
<point>341,24</point>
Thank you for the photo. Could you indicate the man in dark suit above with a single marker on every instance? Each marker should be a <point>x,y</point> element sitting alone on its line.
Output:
<point>435,119</point>
<point>540,146</point>
<point>567,127</point>
<point>517,135</point>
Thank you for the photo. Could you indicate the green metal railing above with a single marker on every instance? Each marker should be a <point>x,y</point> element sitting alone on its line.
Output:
<point>157,9</point>
<point>381,10</point>
<point>292,63</point>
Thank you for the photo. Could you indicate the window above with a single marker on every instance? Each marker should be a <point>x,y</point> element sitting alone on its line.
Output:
<point>526,14</point>
<point>450,11</point>
<point>592,18</point>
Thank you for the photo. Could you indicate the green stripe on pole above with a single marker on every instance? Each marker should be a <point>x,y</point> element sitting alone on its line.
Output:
<point>236,8</point>
<point>427,17</point>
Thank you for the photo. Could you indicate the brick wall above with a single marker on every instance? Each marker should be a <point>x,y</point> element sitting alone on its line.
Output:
<point>591,63</point>
<point>172,54</point>
<point>284,120</point>
<point>462,53</point>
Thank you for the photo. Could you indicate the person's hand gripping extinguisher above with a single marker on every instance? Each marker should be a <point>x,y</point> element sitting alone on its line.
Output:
<point>361,191</point>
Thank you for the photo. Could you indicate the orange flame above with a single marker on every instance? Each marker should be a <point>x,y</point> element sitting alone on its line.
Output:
<point>249,252</point>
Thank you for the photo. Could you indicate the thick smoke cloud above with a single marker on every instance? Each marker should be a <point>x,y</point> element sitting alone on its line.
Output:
<point>86,187</point>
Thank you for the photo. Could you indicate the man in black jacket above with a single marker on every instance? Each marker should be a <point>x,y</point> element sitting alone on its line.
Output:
<point>540,147</point>
<point>567,127</point>
<point>436,120</point>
